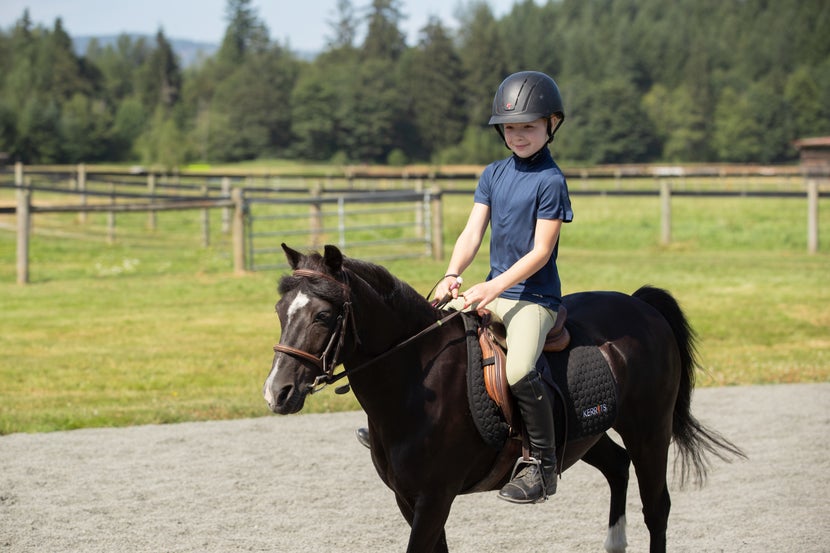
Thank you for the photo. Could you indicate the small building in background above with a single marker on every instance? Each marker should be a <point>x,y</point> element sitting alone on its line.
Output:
<point>814,155</point>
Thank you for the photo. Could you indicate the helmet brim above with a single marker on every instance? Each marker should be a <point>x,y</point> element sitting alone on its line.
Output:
<point>516,118</point>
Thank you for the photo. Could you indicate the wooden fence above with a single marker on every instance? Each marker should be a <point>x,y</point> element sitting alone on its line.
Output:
<point>236,194</point>
<point>401,223</point>
<point>25,209</point>
<point>238,218</point>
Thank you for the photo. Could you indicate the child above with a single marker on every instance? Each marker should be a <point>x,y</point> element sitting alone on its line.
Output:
<point>524,199</point>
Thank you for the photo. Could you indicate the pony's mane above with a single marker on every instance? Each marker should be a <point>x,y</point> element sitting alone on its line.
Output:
<point>399,295</point>
<point>396,293</point>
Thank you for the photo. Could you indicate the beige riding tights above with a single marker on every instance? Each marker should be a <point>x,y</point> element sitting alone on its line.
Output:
<point>527,324</point>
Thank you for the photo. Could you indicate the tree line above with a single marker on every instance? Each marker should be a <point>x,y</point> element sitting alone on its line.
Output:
<point>642,81</point>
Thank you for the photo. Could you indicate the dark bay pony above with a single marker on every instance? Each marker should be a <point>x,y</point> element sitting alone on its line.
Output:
<point>424,444</point>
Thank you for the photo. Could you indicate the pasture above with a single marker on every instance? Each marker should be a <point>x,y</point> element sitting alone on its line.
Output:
<point>155,328</point>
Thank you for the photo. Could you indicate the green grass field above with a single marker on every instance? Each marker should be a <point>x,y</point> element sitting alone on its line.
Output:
<point>155,328</point>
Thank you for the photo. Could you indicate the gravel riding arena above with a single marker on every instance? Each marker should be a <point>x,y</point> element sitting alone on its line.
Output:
<point>302,483</point>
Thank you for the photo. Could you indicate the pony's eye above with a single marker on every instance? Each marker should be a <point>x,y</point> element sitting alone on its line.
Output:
<point>322,317</point>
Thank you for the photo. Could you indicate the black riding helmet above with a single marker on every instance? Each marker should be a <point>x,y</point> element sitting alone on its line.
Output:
<point>527,96</point>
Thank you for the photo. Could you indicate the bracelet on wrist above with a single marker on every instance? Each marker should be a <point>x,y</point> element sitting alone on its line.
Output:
<point>451,275</point>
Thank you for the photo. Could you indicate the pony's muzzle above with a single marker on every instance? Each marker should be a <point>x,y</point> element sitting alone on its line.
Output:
<point>284,401</point>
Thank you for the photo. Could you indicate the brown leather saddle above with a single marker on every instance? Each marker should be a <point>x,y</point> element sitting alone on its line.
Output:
<point>492,338</point>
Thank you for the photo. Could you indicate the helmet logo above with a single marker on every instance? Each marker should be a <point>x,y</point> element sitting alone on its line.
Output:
<point>508,106</point>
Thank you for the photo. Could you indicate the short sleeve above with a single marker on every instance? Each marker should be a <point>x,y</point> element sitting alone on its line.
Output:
<point>484,186</point>
<point>554,201</point>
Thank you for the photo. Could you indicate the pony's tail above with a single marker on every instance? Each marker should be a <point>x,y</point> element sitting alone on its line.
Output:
<point>693,440</point>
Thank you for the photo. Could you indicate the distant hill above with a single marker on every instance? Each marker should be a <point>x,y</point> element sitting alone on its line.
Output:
<point>190,52</point>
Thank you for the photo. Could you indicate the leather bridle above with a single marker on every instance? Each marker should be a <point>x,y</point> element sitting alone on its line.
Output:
<point>327,361</point>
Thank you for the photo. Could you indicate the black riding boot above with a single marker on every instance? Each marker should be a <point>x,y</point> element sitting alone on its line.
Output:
<point>537,479</point>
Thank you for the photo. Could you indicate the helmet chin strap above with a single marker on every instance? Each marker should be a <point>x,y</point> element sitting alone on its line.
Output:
<point>500,130</point>
<point>551,129</point>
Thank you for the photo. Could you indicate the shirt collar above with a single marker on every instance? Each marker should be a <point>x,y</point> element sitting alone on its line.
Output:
<point>539,157</point>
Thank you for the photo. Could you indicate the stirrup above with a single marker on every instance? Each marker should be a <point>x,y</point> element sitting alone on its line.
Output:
<point>521,483</point>
<point>521,462</point>
<point>362,435</point>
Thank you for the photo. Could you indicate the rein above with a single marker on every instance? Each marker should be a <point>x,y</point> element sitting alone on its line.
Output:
<point>327,368</point>
<point>330,379</point>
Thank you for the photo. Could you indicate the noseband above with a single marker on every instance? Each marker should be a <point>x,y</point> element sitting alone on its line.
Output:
<point>327,364</point>
<point>327,360</point>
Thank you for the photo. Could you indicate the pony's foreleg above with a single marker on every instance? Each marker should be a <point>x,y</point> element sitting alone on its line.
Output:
<point>426,519</point>
<point>613,462</point>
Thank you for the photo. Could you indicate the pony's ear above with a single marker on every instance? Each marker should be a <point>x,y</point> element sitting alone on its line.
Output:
<point>333,258</point>
<point>293,256</point>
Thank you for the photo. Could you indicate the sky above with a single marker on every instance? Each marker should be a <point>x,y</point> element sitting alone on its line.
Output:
<point>302,25</point>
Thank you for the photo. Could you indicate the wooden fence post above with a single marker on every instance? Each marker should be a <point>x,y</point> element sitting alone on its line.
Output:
<point>205,219</point>
<point>24,196</point>
<point>151,190</point>
<point>226,211</point>
<point>238,230</point>
<point>812,215</point>
<point>420,209</point>
<point>437,224</point>
<point>665,212</point>
<point>82,215</point>
<point>111,217</point>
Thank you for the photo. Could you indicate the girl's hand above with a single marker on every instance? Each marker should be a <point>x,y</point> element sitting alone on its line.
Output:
<point>448,288</point>
<point>480,295</point>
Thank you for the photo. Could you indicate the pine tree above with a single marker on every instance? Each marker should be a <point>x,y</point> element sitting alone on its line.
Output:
<point>384,39</point>
<point>484,59</point>
<point>435,86</point>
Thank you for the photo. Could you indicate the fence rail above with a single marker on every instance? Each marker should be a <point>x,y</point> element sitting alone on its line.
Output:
<point>356,212</point>
<point>24,210</point>
<point>410,221</point>
<point>257,213</point>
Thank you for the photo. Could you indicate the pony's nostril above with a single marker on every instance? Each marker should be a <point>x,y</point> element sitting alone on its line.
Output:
<point>284,394</point>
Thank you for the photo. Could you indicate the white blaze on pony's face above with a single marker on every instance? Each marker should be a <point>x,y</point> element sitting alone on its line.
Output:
<point>299,301</point>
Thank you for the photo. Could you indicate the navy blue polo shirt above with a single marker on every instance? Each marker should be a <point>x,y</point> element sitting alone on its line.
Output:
<point>518,192</point>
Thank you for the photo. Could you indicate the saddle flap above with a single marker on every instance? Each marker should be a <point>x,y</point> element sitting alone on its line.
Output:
<point>495,375</point>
